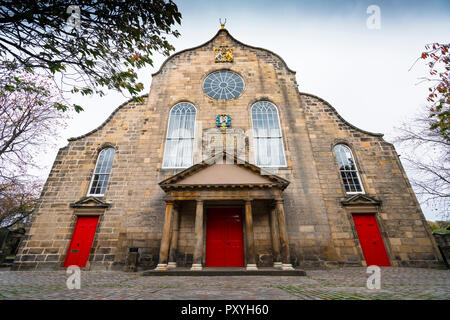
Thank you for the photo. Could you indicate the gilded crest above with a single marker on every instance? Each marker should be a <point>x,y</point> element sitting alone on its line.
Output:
<point>223,54</point>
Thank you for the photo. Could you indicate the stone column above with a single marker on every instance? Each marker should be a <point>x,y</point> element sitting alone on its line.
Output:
<point>251,255</point>
<point>283,235</point>
<point>164,249</point>
<point>198,250</point>
<point>174,240</point>
<point>275,238</point>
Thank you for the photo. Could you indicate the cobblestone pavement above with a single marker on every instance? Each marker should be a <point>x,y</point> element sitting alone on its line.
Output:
<point>346,283</point>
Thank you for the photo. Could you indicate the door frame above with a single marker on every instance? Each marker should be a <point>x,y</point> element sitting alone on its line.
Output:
<point>371,211</point>
<point>73,224</point>
<point>205,227</point>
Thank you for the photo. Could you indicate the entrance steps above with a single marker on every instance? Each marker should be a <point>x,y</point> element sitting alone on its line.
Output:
<point>209,271</point>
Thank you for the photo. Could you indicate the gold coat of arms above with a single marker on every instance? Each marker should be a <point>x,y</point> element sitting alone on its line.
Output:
<point>223,54</point>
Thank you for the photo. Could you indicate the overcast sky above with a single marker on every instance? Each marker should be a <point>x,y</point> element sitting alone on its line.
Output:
<point>362,72</point>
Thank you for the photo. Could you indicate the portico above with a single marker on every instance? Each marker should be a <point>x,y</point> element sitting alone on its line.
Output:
<point>236,187</point>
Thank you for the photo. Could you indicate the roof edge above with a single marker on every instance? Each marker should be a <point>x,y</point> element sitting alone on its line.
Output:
<point>340,117</point>
<point>107,119</point>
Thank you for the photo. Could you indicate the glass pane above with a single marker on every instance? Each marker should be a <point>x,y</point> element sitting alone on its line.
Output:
<point>178,153</point>
<point>178,150</point>
<point>104,161</point>
<point>102,171</point>
<point>99,184</point>
<point>170,153</point>
<point>223,85</point>
<point>267,135</point>
<point>347,166</point>
<point>181,121</point>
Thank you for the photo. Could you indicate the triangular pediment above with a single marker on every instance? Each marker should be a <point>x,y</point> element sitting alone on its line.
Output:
<point>223,170</point>
<point>360,200</point>
<point>224,174</point>
<point>90,202</point>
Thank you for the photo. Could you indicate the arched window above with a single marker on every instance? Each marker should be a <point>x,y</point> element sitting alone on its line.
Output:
<point>349,172</point>
<point>267,137</point>
<point>101,173</point>
<point>179,148</point>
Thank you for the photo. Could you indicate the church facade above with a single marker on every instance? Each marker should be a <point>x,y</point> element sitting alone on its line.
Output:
<point>227,164</point>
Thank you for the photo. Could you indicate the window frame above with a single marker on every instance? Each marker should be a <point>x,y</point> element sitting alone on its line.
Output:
<point>268,137</point>
<point>356,169</point>
<point>167,136</point>
<point>223,70</point>
<point>93,174</point>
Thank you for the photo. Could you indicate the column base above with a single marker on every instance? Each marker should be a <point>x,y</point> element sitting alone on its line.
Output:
<point>172,265</point>
<point>278,265</point>
<point>251,266</point>
<point>287,266</point>
<point>161,266</point>
<point>196,267</point>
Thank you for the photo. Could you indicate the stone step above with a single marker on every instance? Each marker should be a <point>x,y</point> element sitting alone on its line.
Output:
<point>224,272</point>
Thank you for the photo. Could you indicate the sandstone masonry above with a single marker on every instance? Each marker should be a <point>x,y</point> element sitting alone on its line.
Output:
<point>317,210</point>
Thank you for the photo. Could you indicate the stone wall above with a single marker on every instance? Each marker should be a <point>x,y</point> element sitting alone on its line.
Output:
<point>320,230</point>
<point>406,233</point>
<point>443,241</point>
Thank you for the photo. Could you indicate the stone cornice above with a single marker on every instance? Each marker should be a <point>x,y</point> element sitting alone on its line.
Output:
<point>90,203</point>
<point>169,187</point>
<point>360,200</point>
<point>171,182</point>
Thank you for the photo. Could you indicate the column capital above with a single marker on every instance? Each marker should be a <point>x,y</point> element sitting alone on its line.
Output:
<point>278,200</point>
<point>199,200</point>
<point>169,201</point>
<point>248,200</point>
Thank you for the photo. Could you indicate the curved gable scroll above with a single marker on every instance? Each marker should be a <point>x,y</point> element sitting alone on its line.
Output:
<point>108,119</point>
<point>211,40</point>
<point>340,117</point>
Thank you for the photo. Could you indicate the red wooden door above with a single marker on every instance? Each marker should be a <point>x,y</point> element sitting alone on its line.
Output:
<point>224,238</point>
<point>81,243</point>
<point>370,239</point>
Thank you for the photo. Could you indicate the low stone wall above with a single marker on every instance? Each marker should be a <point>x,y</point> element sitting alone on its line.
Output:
<point>9,240</point>
<point>443,241</point>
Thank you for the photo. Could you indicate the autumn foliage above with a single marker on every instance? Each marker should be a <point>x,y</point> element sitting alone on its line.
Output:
<point>86,46</point>
<point>438,60</point>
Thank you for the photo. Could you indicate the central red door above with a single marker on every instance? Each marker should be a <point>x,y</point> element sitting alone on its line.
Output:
<point>224,238</point>
<point>81,243</point>
<point>370,239</point>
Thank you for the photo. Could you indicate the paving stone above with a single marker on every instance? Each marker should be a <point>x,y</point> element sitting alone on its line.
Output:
<point>335,284</point>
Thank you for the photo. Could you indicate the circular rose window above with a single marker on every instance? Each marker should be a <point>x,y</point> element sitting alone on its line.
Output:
<point>223,85</point>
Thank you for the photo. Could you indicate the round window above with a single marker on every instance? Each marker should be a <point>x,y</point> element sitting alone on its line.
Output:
<point>223,85</point>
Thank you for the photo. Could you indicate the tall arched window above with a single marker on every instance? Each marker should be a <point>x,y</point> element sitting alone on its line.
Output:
<point>101,173</point>
<point>267,137</point>
<point>349,171</point>
<point>179,148</point>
